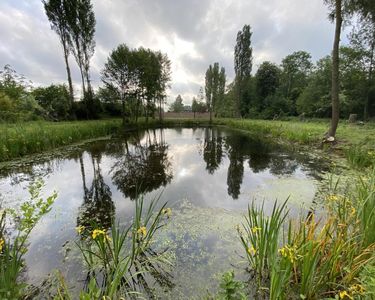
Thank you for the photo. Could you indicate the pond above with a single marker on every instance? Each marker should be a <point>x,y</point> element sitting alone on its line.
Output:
<point>208,176</point>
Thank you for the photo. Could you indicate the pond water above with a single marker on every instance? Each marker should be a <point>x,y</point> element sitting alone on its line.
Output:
<point>208,176</point>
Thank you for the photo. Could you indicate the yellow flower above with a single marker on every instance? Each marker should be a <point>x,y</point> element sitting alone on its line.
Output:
<point>352,212</point>
<point>97,232</point>
<point>256,229</point>
<point>344,294</point>
<point>2,242</point>
<point>357,289</point>
<point>142,231</point>
<point>289,252</point>
<point>167,211</point>
<point>80,229</point>
<point>332,198</point>
<point>251,250</point>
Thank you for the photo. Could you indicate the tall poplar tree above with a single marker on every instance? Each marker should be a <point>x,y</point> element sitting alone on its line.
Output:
<point>81,22</point>
<point>215,88</point>
<point>56,12</point>
<point>243,64</point>
<point>208,89</point>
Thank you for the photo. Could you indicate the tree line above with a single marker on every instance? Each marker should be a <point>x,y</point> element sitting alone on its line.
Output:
<point>339,84</point>
<point>134,80</point>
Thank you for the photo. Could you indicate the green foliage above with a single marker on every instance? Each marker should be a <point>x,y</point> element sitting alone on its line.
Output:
<point>359,157</point>
<point>177,106</point>
<point>55,101</point>
<point>22,139</point>
<point>267,80</point>
<point>215,88</point>
<point>319,258</point>
<point>16,101</point>
<point>113,255</point>
<point>243,64</point>
<point>315,98</point>
<point>260,237</point>
<point>12,250</point>
<point>296,69</point>
<point>139,78</point>
<point>367,279</point>
<point>231,289</point>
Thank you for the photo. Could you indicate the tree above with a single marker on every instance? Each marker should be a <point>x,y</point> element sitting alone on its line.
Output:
<point>353,81</point>
<point>362,39</point>
<point>208,89</point>
<point>55,101</point>
<point>119,75</point>
<point>296,69</point>
<point>215,88</point>
<point>337,15</point>
<point>163,81</point>
<point>177,106</point>
<point>243,63</point>
<point>56,13</point>
<point>315,98</point>
<point>81,24</point>
<point>194,106</point>
<point>267,80</point>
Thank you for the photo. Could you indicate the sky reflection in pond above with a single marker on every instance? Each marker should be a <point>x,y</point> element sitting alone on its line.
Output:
<point>217,171</point>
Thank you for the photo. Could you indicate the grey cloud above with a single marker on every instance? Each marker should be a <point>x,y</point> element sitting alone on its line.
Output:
<point>210,26</point>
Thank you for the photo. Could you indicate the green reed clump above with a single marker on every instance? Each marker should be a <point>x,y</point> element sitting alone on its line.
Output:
<point>360,157</point>
<point>112,256</point>
<point>260,237</point>
<point>12,250</point>
<point>17,140</point>
<point>318,258</point>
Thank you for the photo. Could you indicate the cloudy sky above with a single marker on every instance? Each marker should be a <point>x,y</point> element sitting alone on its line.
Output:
<point>194,34</point>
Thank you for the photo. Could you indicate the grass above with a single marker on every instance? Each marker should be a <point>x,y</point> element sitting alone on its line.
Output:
<point>18,140</point>
<point>330,258</point>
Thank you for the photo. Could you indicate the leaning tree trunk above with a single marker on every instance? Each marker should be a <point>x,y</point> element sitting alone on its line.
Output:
<point>71,94</point>
<point>335,71</point>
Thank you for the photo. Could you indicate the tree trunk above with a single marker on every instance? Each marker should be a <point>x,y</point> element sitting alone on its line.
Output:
<point>71,93</point>
<point>335,71</point>
<point>123,112</point>
<point>160,115</point>
<point>367,101</point>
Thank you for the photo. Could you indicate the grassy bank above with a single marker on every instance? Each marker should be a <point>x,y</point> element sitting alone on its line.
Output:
<point>355,143</point>
<point>17,140</point>
<point>305,132</point>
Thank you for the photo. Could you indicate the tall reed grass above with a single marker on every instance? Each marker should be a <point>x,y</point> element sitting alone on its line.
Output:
<point>115,257</point>
<point>320,259</point>
<point>17,140</point>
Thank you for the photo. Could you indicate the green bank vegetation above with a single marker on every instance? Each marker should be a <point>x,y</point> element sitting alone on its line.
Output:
<point>356,143</point>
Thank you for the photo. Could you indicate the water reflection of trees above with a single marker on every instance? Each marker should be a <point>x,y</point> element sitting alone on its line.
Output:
<point>142,164</point>
<point>212,149</point>
<point>261,156</point>
<point>97,205</point>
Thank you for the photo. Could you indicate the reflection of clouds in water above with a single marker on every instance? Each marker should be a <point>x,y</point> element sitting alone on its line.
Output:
<point>199,161</point>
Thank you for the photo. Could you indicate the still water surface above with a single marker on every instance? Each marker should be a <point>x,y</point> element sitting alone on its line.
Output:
<point>207,175</point>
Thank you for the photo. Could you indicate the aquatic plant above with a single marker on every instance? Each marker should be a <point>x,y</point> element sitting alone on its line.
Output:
<point>13,249</point>
<point>115,257</point>
<point>360,157</point>
<point>318,258</point>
